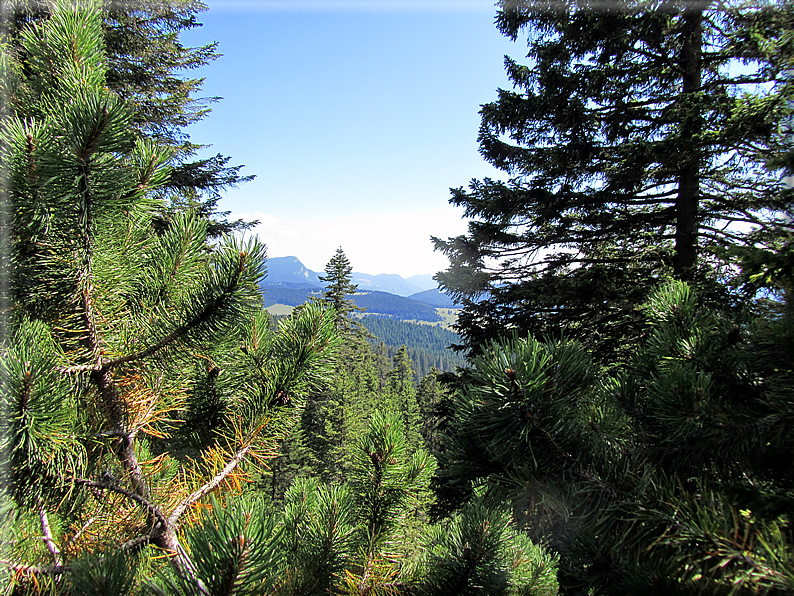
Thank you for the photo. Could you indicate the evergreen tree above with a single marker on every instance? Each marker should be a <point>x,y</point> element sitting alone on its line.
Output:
<point>400,396</point>
<point>480,551</point>
<point>337,414</point>
<point>139,370</point>
<point>387,481</point>
<point>669,475</point>
<point>320,526</point>
<point>335,418</point>
<point>295,460</point>
<point>635,145</point>
<point>362,537</point>
<point>338,273</point>
<point>432,396</point>
<point>147,66</point>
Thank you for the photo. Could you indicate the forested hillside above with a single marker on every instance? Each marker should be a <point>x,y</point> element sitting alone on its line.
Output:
<point>428,345</point>
<point>434,298</point>
<point>380,303</point>
<point>398,307</point>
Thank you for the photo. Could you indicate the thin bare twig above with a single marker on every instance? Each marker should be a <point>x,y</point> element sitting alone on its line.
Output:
<point>210,485</point>
<point>81,530</point>
<point>30,569</point>
<point>47,537</point>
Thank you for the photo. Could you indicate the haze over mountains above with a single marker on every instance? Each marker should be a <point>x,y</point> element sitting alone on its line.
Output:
<point>289,271</point>
<point>290,283</point>
<point>397,312</point>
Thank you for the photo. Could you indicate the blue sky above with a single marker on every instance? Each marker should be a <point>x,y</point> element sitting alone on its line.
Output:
<point>356,117</point>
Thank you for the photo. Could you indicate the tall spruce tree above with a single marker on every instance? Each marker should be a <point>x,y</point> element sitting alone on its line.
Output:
<point>636,139</point>
<point>139,372</point>
<point>337,413</point>
<point>338,286</point>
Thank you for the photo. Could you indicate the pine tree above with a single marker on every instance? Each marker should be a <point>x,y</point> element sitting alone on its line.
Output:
<point>432,396</point>
<point>336,416</point>
<point>341,422</point>
<point>320,525</point>
<point>338,413</point>
<point>637,145</point>
<point>139,371</point>
<point>400,395</point>
<point>386,482</point>
<point>481,551</point>
<point>668,475</point>
<point>147,66</point>
<point>360,387</point>
<point>295,460</point>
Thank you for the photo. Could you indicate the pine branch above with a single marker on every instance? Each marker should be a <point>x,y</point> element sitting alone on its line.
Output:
<point>82,529</point>
<point>125,450</point>
<point>213,483</point>
<point>23,570</point>
<point>154,510</point>
<point>181,331</point>
<point>47,537</point>
<point>133,544</point>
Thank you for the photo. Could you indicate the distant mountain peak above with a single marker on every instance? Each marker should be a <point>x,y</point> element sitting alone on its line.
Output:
<point>290,270</point>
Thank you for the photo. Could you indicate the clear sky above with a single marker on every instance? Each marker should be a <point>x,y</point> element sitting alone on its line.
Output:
<point>356,118</point>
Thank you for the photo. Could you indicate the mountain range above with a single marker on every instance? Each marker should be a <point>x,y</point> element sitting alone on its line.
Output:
<point>289,282</point>
<point>290,271</point>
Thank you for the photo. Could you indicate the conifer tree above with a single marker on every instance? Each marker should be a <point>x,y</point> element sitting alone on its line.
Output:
<point>147,65</point>
<point>335,417</point>
<point>432,396</point>
<point>338,286</point>
<point>401,396</point>
<point>636,146</point>
<point>386,482</point>
<point>139,370</point>
<point>481,551</point>
<point>669,475</point>
<point>338,414</point>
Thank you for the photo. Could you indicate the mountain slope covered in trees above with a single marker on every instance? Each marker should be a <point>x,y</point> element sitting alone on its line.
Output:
<point>373,303</point>
<point>428,346</point>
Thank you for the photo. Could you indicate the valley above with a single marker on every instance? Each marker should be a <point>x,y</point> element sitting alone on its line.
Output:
<point>422,322</point>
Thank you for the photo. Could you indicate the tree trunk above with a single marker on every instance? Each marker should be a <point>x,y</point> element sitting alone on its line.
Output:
<point>686,236</point>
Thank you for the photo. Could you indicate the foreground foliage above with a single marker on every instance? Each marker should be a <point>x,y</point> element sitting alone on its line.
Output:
<point>356,538</point>
<point>670,475</point>
<point>139,372</point>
